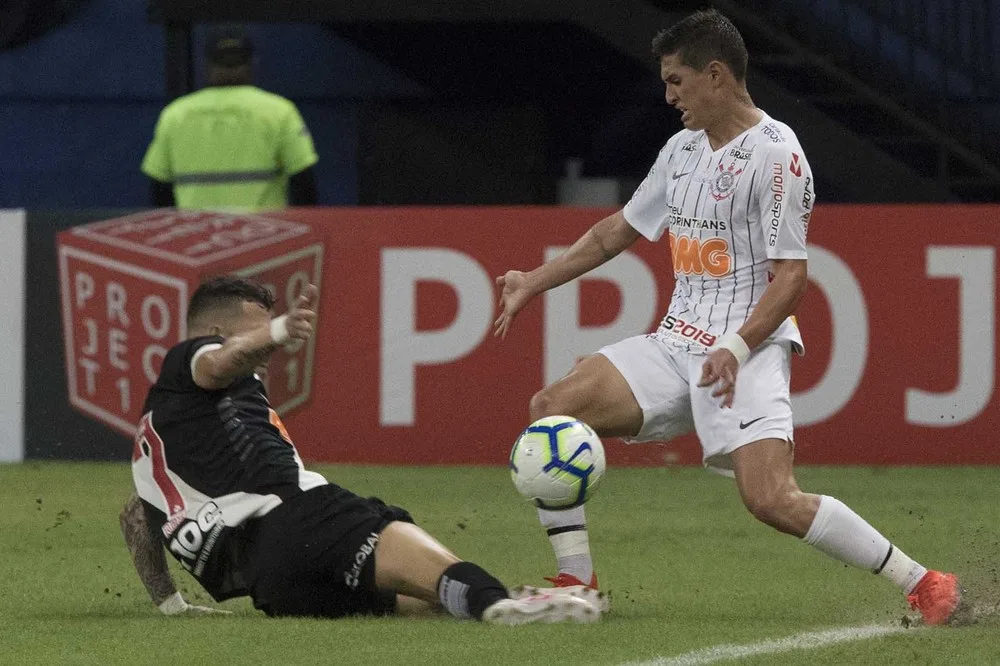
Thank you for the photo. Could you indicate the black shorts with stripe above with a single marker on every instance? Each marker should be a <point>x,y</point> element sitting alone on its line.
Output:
<point>313,555</point>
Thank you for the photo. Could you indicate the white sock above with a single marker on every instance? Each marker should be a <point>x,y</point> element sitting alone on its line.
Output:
<point>567,532</point>
<point>901,570</point>
<point>846,536</point>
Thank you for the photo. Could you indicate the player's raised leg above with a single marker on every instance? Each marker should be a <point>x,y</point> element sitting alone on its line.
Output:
<point>596,393</point>
<point>414,564</point>
<point>767,485</point>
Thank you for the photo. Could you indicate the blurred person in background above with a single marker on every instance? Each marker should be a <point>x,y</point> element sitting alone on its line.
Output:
<point>231,146</point>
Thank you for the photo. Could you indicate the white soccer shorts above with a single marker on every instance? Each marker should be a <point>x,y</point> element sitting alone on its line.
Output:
<point>664,380</point>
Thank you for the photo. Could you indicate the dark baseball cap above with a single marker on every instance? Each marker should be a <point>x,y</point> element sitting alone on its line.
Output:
<point>229,48</point>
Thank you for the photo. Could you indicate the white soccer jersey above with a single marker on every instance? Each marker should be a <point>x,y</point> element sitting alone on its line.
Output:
<point>728,212</point>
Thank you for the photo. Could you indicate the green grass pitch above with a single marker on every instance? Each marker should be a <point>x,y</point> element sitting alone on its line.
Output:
<point>686,566</point>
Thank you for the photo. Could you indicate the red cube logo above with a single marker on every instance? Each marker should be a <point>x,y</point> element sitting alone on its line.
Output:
<point>119,321</point>
<point>125,284</point>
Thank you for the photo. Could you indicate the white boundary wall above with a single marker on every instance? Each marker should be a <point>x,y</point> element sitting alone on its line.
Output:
<point>12,277</point>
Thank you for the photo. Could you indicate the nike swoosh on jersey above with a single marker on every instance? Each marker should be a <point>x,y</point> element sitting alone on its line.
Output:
<point>744,426</point>
<point>676,175</point>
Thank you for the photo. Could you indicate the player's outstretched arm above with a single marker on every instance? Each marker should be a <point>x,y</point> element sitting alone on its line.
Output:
<point>151,563</point>
<point>240,354</point>
<point>602,242</point>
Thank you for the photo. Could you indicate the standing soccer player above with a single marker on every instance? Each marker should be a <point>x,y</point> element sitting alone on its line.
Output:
<point>220,486</point>
<point>733,192</point>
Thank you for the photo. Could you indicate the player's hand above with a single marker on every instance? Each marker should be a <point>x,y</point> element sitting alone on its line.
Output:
<point>514,295</point>
<point>721,367</point>
<point>204,610</point>
<point>176,605</point>
<point>302,314</point>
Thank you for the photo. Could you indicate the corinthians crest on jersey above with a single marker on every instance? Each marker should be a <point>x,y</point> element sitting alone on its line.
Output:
<point>723,182</point>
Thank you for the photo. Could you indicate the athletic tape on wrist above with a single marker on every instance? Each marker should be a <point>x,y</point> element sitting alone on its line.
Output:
<point>737,345</point>
<point>173,605</point>
<point>279,330</point>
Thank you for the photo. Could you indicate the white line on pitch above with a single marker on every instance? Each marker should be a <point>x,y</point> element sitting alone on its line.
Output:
<point>807,641</point>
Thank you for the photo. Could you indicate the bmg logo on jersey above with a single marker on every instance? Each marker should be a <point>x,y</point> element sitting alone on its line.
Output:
<point>693,256</point>
<point>125,285</point>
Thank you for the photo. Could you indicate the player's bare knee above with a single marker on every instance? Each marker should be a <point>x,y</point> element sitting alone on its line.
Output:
<point>544,403</point>
<point>770,508</point>
<point>759,508</point>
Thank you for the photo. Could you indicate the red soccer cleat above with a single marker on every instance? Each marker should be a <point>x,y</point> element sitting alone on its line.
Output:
<point>569,580</point>
<point>936,596</point>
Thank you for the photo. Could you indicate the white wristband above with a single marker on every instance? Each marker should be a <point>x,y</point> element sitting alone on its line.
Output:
<point>174,604</point>
<point>279,330</point>
<point>737,345</point>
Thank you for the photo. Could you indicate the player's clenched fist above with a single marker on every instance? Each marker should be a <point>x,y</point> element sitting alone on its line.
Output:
<point>515,293</point>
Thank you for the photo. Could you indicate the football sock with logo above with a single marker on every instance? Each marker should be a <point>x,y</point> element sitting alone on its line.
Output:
<point>466,590</point>
<point>846,536</point>
<point>567,532</point>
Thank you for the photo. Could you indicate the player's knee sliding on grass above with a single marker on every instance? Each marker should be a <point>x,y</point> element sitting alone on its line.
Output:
<point>733,193</point>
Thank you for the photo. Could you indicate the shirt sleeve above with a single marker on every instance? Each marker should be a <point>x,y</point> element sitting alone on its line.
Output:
<point>646,211</point>
<point>297,151</point>
<point>786,202</point>
<point>156,163</point>
<point>177,372</point>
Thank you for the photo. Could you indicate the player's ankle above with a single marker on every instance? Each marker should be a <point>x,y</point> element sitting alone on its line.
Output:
<point>567,532</point>
<point>901,569</point>
<point>572,549</point>
<point>466,590</point>
<point>578,566</point>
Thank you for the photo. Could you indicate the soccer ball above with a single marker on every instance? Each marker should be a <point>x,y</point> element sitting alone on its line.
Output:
<point>557,462</point>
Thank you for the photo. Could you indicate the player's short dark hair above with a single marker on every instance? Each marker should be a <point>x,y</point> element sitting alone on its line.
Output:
<point>701,38</point>
<point>226,291</point>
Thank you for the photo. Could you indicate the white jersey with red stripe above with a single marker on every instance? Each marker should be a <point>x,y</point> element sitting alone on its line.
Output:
<point>728,213</point>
